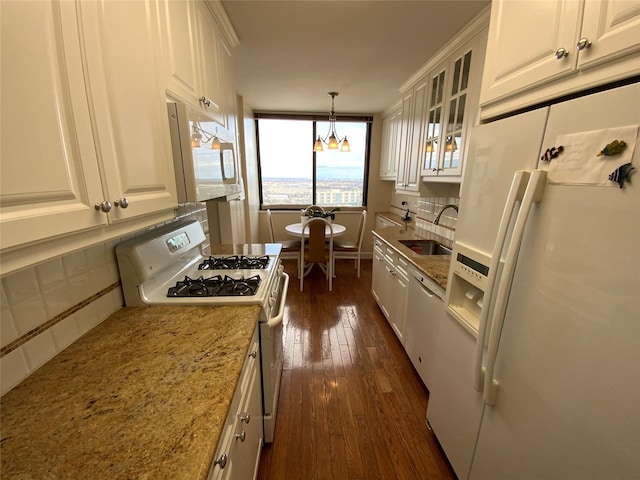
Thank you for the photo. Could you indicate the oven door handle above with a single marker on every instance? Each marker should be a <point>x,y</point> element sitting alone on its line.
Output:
<point>273,321</point>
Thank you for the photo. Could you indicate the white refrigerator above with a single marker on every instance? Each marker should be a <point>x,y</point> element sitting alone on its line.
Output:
<point>537,372</point>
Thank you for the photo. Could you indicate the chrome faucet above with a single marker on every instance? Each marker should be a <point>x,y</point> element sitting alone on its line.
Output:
<point>406,217</point>
<point>436,220</point>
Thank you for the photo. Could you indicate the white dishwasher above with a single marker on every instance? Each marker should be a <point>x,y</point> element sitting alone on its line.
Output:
<point>425,314</point>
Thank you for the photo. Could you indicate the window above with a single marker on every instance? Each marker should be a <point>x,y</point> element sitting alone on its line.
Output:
<point>292,175</point>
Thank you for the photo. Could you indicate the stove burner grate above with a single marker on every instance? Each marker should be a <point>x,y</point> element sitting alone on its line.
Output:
<point>216,286</point>
<point>235,262</point>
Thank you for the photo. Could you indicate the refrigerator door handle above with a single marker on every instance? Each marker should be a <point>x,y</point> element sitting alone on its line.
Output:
<point>516,193</point>
<point>533,194</point>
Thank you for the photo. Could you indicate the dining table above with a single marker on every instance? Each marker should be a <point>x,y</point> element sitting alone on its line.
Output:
<point>296,229</point>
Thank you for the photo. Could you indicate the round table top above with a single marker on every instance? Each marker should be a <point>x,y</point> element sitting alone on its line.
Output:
<point>296,229</point>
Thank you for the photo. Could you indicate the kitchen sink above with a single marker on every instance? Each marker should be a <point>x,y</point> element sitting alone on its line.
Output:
<point>426,247</point>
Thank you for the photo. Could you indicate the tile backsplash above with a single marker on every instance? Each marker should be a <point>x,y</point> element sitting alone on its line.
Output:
<point>424,211</point>
<point>45,308</point>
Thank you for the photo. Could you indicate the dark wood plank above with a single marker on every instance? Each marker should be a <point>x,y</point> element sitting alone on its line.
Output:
<point>351,404</point>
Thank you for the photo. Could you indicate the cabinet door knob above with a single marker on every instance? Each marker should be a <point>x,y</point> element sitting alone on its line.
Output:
<point>205,101</point>
<point>221,460</point>
<point>561,53</point>
<point>253,354</point>
<point>245,418</point>
<point>104,206</point>
<point>122,203</point>
<point>241,436</point>
<point>583,43</point>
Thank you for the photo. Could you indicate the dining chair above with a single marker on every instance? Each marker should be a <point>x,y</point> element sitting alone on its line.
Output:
<point>318,249</point>
<point>351,249</point>
<point>290,248</point>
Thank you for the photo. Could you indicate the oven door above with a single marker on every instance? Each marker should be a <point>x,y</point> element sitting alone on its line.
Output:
<point>272,355</point>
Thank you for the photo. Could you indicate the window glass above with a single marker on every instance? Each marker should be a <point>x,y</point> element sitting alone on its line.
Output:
<point>340,175</point>
<point>292,175</point>
<point>286,161</point>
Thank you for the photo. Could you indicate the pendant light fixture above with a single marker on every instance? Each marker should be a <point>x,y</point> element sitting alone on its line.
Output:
<point>332,140</point>
<point>198,134</point>
<point>450,144</point>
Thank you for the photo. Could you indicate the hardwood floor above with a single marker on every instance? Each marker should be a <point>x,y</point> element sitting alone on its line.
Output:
<point>351,405</point>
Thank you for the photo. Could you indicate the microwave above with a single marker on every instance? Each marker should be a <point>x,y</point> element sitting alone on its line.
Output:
<point>203,156</point>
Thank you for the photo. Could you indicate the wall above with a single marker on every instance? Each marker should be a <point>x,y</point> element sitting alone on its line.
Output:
<point>249,159</point>
<point>46,307</point>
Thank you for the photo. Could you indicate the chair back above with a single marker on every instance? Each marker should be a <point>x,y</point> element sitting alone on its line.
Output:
<point>272,236</point>
<point>317,251</point>
<point>363,221</point>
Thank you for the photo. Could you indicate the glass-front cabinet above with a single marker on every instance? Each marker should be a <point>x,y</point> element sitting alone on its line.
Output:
<point>439,105</point>
<point>434,124</point>
<point>452,100</point>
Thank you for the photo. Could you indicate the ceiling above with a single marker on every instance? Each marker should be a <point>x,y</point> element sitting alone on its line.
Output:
<point>292,53</point>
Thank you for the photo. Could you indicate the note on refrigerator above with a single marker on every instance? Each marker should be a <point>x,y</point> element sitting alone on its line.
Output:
<point>588,158</point>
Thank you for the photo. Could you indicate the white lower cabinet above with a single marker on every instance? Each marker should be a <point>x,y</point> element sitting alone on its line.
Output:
<point>240,445</point>
<point>378,277</point>
<point>412,304</point>
<point>390,283</point>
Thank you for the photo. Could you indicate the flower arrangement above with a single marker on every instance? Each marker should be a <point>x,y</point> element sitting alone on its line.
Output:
<point>310,212</point>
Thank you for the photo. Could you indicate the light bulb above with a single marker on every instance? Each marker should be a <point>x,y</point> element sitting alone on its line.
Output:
<point>333,142</point>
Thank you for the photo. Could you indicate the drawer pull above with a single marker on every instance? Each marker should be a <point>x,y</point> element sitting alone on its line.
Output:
<point>241,436</point>
<point>221,461</point>
<point>583,43</point>
<point>561,53</point>
<point>253,354</point>
<point>246,417</point>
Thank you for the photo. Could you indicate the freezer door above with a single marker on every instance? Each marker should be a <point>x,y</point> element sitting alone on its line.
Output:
<point>569,355</point>
<point>496,151</point>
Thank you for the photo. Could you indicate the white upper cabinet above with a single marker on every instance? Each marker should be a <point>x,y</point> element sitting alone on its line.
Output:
<point>390,148</point>
<point>180,51</point>
<point>210,62</point>
<point>50,176</point>
<point>132,128</point>
<point>84,126</point>
<point>439,105</point>
<point>454,88</point>
<point>408,175</point>
<point>196,55</point>
<point>540,50</point>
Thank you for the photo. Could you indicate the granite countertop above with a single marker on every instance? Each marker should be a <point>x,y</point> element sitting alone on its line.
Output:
<point>435,267</point>
<point>145,394</point>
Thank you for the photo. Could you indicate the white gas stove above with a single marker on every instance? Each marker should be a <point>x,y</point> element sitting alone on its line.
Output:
<point>166,267</point>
